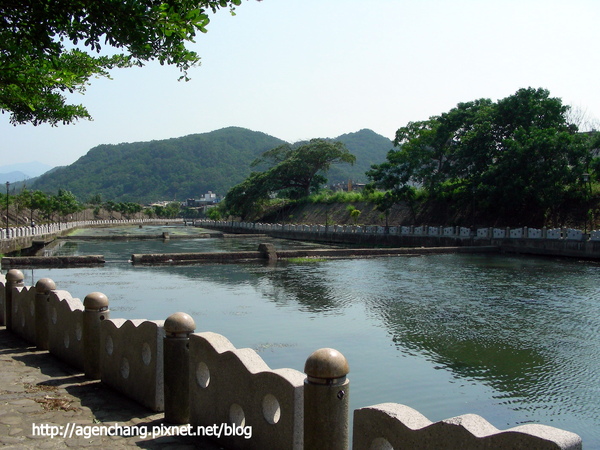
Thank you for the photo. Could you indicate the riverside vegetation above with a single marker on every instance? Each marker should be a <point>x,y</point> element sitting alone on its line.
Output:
<point>519,161</point>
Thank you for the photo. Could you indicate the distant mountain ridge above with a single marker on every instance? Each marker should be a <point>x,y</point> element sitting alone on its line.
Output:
<point>189,166</point>
<point>13,177</point>
<point>19,172</point>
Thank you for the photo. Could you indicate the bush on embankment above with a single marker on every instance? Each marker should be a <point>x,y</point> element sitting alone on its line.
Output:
<point>337,208</point>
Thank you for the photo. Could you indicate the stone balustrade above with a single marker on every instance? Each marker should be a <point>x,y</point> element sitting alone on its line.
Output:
<point>422,230</point>
<point>59,227</point>
<point>202,379</point>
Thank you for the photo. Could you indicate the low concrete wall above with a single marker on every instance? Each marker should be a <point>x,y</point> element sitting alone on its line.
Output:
<point>236,386</point>
<point>391,425</point>
<point>222,257</point>
<point>65,328</point>
<point>131,359</point>
<point>52,261</point>
<point>183,258</point>
<point>232,394</point>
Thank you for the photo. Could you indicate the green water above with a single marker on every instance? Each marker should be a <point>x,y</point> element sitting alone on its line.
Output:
<point>513,339</point>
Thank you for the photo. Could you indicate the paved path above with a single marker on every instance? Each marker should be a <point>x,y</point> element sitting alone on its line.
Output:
<point>36,388</point>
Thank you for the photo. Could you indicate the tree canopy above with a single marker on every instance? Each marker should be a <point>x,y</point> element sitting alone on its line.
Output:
<point>518,157</point>
<point>291,172</point>
<point>50,48</point>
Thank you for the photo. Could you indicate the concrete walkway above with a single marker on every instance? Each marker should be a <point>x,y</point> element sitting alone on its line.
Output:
<point>40,395</point>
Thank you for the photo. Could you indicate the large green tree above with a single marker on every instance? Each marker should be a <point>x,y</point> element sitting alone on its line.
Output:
<point>49,48</point>
<point>291,172</point>
<point>65,203</point>
<point>518,159</point>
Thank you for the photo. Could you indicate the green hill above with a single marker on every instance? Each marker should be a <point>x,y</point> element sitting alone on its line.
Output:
<point>186,167</point>
<point>368,147</point>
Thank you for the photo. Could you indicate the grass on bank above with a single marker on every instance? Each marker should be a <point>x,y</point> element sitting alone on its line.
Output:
<point>305,259</point>
<point>344,197</point>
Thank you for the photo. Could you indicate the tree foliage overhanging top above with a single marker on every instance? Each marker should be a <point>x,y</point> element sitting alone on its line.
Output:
<point>44,47</point>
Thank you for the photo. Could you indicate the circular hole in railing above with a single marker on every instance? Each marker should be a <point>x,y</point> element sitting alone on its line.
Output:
<point>66,339</point>
<point>380,444</point>
<point>31,309</point>
<point>109,346</point>
<point>146,354</point>
<point>271,409</point>
<point>54,316</point>
<point>23,321</point>
<point>202,375</point>
<point>125,368</point>
<point>236,415</point>
<point>78,332</point>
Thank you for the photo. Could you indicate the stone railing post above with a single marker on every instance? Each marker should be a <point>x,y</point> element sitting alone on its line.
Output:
<point>42,296</point>
<point>176,360</point>
<point>95,311</point>
<point>14,278</point>
<point>326,395</point>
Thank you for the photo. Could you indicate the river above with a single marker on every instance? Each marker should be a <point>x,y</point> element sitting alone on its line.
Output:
<point>513,339</point>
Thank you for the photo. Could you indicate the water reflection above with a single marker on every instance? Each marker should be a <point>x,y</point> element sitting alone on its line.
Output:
<point>514,339</point>
<point>525,327</point>
<point>306,285</point>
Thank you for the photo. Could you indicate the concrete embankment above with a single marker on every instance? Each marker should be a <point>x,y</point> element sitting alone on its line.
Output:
<point>26,244</point>
<point>190,258</point>
<point>30,239</point>
<point>564,247</point>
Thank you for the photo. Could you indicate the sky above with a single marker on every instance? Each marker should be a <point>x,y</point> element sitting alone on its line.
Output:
<point>301,69</point>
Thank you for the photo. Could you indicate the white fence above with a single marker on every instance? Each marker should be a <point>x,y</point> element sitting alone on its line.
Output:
<point>53,228</point>
<point>422,230</point>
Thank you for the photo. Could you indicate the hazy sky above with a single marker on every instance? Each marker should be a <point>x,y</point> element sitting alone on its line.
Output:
<point>299,69</point>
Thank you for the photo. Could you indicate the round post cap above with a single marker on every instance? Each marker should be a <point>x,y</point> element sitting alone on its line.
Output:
<point>96,301</point>
<point>44,285</point>
<point>179,323</point>
<point>15,276</point>
<point>326,363</point>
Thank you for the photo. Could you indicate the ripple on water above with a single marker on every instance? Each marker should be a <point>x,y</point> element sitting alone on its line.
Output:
<point>514,339</point>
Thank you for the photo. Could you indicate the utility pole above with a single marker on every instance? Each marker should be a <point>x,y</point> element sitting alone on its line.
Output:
<point>7,187</point>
